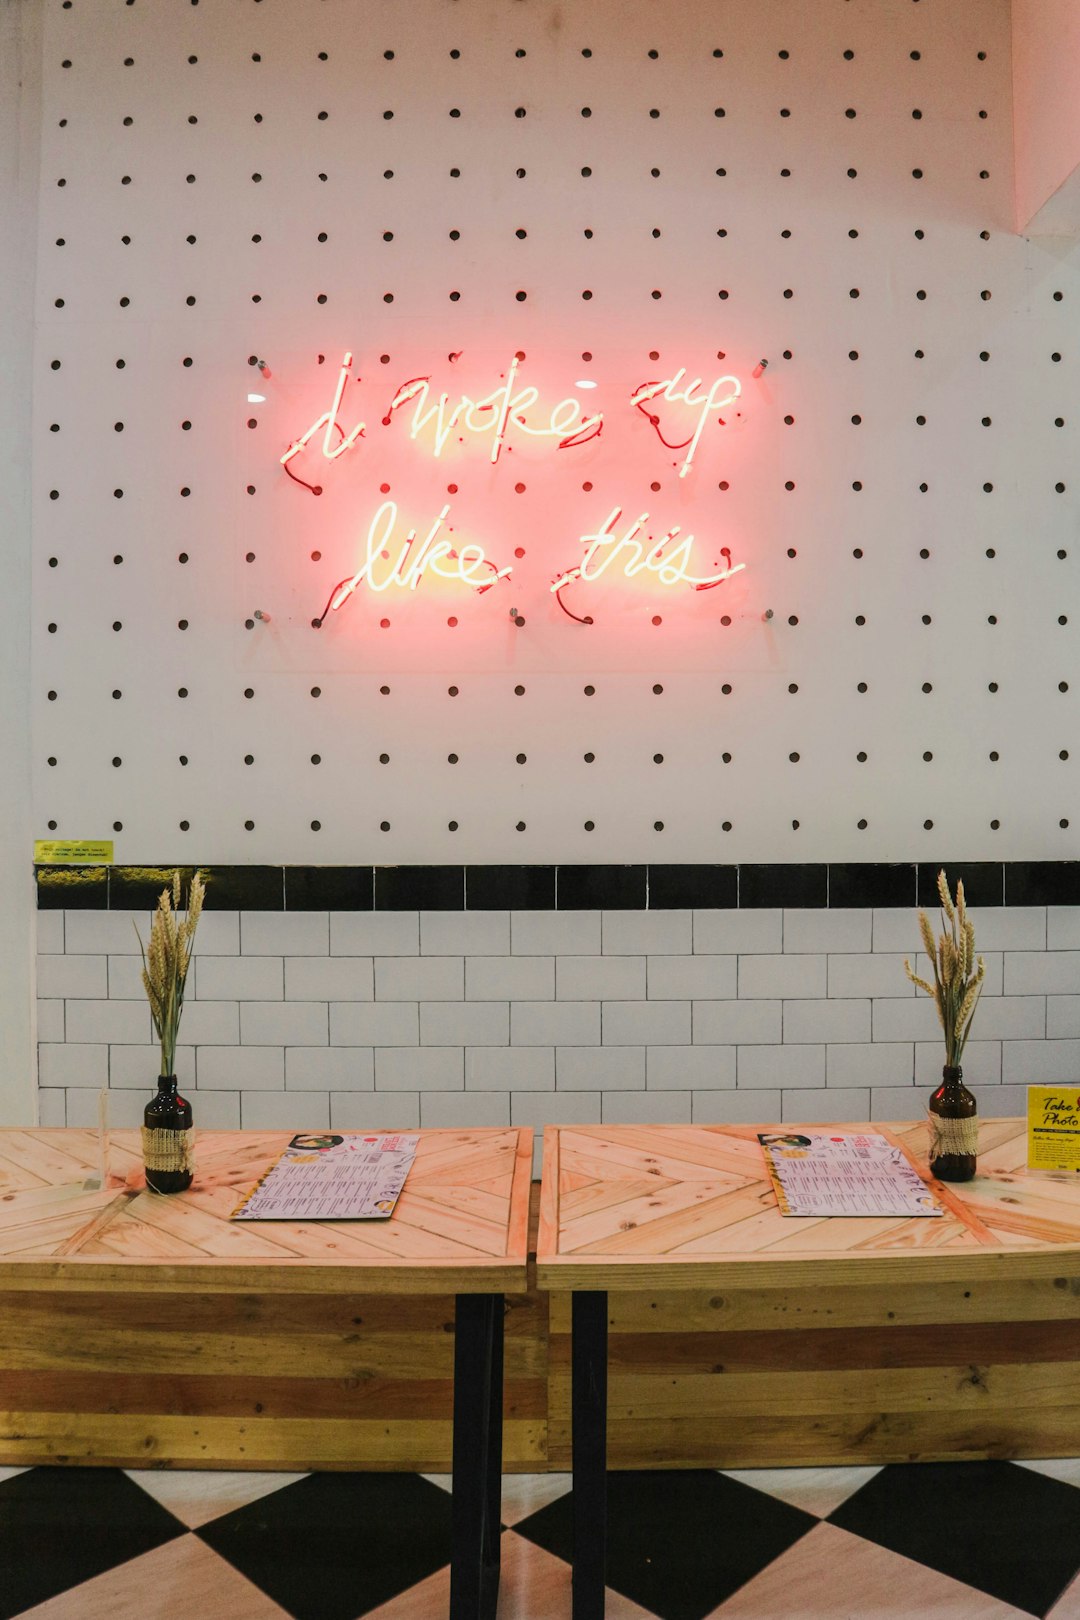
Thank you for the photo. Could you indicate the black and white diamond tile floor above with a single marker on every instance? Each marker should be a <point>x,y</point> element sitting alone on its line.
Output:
<point>956,1541</point>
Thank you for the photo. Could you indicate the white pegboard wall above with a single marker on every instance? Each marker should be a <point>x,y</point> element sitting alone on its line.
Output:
<point>826,187</point>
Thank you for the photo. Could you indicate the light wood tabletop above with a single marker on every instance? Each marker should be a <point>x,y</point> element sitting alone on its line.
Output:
<point>460,1225</point>
<point>672,1206</point>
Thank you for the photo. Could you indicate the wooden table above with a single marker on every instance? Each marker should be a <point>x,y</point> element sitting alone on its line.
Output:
<point>658,1209</point>
<point>460,1227</point>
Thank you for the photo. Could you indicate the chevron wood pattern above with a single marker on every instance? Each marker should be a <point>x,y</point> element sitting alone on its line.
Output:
<point>460,1224</point>
<point>627,1206</point>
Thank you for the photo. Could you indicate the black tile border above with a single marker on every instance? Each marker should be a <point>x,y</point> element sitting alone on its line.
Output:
<point>684,888</point>
<point>598,888</point>
<point>329,888</point>
<point>565,888</point>
<point>766,886</point>
<point>510,888</point>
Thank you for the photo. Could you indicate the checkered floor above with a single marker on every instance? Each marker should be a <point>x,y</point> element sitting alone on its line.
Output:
<point>957,1541</point>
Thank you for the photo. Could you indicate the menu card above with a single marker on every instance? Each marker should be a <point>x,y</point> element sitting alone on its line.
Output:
<point>843,1173</point>
<point>329,1177</point>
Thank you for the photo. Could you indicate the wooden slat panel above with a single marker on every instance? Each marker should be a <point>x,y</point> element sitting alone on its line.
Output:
<point>859,1390</point>
<point>130,1394</point>
<point>218,1336</point>
<point>765,1441</point>
<point>814,1350</point>
<point>785,1310</point>
<point>29,1438</point>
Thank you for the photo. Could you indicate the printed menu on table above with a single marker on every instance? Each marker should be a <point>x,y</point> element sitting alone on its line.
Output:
<point>843,1173</point>
<point>327,1176</point>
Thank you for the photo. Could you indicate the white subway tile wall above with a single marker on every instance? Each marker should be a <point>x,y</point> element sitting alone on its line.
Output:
<point>353,1020</point>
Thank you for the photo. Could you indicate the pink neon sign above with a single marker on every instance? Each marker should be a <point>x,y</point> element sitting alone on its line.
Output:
<point>496,413</point>
<point>380,569</point>
<point>724,391</point>
<point>667,561</point>
<point>505,411</point>
<point>328,422</point>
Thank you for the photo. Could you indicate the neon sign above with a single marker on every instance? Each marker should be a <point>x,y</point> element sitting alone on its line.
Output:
<point>503,409</point>
<point>392,561</point>
<point>665,559</point>
<point>724,391</point>
<point>328,421</point>
<point>379,571</point>
<point>495,413</point>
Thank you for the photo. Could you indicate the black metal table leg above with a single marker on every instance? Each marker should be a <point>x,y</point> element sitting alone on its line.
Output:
<point>478,1396</point>
<point>589,1454</point>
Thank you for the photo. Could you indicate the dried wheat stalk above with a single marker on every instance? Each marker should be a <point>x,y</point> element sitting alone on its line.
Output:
<point>166,960</point>
<point>958,974</point>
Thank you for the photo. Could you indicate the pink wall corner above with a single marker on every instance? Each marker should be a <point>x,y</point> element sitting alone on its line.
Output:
<point>1046,100</point>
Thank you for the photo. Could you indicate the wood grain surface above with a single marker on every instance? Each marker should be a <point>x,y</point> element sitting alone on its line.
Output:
<point>460,1225</point>
<point>653,1207</point>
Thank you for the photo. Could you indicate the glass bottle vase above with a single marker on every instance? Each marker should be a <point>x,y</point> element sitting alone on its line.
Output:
<point>168,1139</point>
<point>954,1128</point>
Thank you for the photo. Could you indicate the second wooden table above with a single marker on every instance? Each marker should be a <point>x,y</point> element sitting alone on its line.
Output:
<point>652,1210</point>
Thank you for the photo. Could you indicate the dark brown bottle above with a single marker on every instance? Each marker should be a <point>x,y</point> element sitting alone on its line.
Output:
<point>168,1139</point>
<point>954,1129</point>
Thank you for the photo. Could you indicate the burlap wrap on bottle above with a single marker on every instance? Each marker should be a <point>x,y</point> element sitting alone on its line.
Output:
<point>168,1150</point>
<point>949,1136</point>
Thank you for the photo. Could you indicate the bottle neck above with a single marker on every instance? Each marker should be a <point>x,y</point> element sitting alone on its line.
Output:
<point>952,1075</point>
<point>166,1085</point>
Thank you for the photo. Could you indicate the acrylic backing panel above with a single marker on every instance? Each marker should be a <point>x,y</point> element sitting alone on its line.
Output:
<point>510,196</point>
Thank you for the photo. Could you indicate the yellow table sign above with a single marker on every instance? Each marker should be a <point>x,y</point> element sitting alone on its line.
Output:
<point>73,852</point>
<point>1053,1137</point>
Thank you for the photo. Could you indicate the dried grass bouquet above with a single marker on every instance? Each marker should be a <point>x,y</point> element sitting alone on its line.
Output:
<point>165,963</point>
<point>958,974</point>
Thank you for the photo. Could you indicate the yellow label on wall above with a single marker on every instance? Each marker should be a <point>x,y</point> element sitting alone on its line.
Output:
<point>73,851</point>
<point>1054,1128</point>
